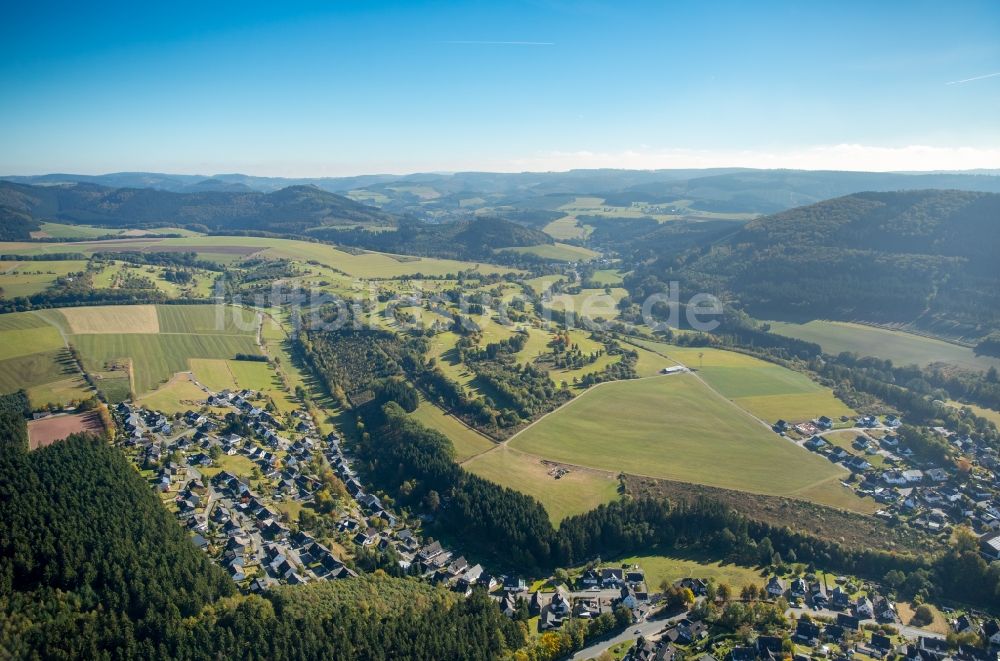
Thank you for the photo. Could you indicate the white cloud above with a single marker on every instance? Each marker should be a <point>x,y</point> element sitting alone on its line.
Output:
<point>828,157</point>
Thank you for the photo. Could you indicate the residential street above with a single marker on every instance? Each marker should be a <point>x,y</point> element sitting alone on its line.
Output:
<point>646,629</point>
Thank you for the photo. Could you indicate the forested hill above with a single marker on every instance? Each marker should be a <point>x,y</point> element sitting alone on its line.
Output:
<point>467,239</point>
<point>932,254</point>
<point>289,210</point>
<point>92,566</point>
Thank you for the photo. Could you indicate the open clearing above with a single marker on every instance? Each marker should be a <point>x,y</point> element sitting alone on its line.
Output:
<point>468,442</point>
<point>543,282</point>
<point>661,568</point>
<point>213,373</point>
<point>677,428</point>
<point>50,377</point>
<point>900,347</point>
<point>23,333</point>
<point>589,303</point>
<point>46,431</point>
<point>766,390</point>
<point>989,414</point>
<point>558,252</point>
<point>176,396</point>
<point>26,278</point>
<point>565,228</point>
<point>575,492</point>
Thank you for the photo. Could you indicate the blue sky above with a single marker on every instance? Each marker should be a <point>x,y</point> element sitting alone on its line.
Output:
<point>331,88</point>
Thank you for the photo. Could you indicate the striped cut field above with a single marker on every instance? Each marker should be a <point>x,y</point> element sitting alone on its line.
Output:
<point>218,319</point>
<point>114,319</point>
<point>155,358</point>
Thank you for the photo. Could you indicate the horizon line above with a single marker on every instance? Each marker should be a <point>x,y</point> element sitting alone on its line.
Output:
<point>449,173</point>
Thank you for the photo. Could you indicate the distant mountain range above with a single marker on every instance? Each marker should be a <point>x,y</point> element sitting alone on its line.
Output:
<point>437,196</point>
<point>922,257</point>
<point>294,209</point>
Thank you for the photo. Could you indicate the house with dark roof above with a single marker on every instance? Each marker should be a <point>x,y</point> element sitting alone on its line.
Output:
<point>807,631</point>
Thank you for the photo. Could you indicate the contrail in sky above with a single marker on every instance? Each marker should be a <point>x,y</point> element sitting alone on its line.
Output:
<point>969,80</point>
<point>501,43</point>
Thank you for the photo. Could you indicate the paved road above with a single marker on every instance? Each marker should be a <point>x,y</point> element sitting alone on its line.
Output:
<point>646,629</point>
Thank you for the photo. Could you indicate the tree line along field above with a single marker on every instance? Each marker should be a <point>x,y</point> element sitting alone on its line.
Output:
<point>900,347</point>
<point>26,278</point>
<point>675,427</point>
<point>467,441</point>
<point>226,250</point>
<point>767,391</point>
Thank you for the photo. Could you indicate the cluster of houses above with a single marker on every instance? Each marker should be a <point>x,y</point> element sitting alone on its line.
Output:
<point>841,638</point>
<point>242,528</point>
<point>814,593</point>
<point>929,497</point>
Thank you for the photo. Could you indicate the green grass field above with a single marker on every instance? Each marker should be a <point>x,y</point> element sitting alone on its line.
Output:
<point>538,343</point>
<point>607,277</point>
<point>989,414</point>
<point>24,333</point>
<point>159,340</point>
<point>155,358</point>
<point>63,231</point>
<point>557,252</point>
<point>590,303</point>
<point>468,442</point>
<point>650,363</point>
<point>214,373</point>
<point>673,568</point>
<point>48,376</point>
<point>766,390</point>
<point>543,282</point>
<point>225,320</point>
<point>177,396</point>
<point>112,273</point>
<point>60,392</point>
<point>900,347</point>
<point>29,278</point>
<point>677,428</point>
<point>567,227</point>
<point>236,464</point>
<point>574,493</point>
